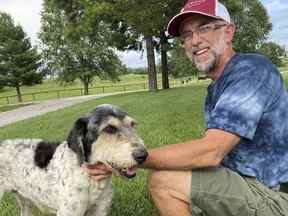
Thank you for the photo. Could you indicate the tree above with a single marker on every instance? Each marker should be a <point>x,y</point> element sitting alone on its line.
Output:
<point>179,64</point>
<point>132,23</point>
<point>19,62</point>
<point>73,50</point>
<point>152,23</point>
<point>273,51</point>
<point>252,24</point>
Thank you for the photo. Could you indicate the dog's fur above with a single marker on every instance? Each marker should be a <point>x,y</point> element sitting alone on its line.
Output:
<point>50,175</point>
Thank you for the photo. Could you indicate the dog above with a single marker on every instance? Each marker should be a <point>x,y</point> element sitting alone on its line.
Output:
<point>49,175</point>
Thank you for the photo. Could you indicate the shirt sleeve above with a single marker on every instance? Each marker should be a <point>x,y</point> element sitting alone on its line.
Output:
<point>240,107</point>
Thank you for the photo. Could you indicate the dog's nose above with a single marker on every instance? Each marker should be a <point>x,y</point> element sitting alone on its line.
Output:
<point>140,155</point>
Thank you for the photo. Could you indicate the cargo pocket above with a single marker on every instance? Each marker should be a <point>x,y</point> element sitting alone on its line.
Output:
<point>267,201</point>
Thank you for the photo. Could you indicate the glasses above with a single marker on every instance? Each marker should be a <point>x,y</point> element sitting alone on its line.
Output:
<point>201,31</point>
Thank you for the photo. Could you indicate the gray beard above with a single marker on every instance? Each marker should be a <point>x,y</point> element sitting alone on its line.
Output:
<point>216,52</point>
<point>207,66</point>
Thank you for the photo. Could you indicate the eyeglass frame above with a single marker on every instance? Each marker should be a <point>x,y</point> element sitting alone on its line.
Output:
<point>189,34</point>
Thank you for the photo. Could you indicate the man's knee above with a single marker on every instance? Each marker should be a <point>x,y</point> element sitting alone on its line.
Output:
<point>156,181</point>
<point>174,184</point>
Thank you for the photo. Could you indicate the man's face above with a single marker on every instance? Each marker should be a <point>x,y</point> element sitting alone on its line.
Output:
<point>204,41</point>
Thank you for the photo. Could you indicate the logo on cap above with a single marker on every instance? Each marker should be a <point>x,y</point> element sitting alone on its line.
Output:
<point>194,3</point>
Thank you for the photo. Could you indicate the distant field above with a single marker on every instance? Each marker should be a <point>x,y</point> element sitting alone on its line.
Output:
<point>51,89</point>
<point>10,107</point>
<point>54,85</point>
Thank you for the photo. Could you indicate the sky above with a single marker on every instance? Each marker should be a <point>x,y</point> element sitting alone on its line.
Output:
<point>27,14</point>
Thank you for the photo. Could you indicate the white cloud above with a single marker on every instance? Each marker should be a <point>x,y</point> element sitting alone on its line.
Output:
<point>277,10</point>
<point>275,5</point>
<point>26,13</point>
<point>133,59</point>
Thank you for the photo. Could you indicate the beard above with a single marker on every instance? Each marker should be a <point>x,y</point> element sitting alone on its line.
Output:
<point>215,51</point>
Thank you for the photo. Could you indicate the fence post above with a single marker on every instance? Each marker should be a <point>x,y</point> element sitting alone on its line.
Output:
<point>7,100</point>
<point>33,96</point>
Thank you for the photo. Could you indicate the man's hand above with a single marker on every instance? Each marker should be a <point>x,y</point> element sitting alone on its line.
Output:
<point>97,171</point>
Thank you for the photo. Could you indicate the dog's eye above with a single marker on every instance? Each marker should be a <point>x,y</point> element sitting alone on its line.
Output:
<point>110,129</point>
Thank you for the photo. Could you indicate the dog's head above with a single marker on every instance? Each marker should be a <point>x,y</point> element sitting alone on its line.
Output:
<point>107,135</point>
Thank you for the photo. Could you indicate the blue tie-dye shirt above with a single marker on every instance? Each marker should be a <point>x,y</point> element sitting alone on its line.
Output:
<point>249,99</point>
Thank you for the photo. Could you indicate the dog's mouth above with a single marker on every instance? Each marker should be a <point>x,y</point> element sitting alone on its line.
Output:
<point>128,172</point>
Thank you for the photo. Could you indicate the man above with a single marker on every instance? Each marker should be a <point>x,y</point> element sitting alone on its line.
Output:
<point>242,158</point>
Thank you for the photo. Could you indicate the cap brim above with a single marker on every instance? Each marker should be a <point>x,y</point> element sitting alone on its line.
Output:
<point>174,24</point>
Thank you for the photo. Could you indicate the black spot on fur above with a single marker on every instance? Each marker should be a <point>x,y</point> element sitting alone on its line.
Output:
<point>44,153</point>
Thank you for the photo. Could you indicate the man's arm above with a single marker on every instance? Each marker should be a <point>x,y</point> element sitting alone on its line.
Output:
<point>208,151</point>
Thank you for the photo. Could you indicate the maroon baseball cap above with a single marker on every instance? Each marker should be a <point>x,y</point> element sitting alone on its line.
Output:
<point>211,8</point>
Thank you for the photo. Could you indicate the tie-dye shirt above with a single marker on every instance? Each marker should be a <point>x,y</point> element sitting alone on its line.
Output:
<point>250,100</point>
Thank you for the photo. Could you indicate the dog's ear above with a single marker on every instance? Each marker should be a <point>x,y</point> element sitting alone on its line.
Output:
<point>77,138</point>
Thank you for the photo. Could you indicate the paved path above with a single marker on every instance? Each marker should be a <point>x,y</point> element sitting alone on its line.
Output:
<point>40,108</point>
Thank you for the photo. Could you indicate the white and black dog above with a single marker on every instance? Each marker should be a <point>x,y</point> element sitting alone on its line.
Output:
<point>50,175</point>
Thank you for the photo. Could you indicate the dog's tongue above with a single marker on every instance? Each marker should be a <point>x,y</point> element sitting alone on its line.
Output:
<point>131,172</point>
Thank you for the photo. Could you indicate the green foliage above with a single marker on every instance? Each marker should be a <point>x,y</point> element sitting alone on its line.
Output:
<point>137,71</point>
<point>274,52</point>
<point>252,23</point>
<point>19,61</point>
<point>179,64</point>
<point>73,50</point>
<point>131,23</point>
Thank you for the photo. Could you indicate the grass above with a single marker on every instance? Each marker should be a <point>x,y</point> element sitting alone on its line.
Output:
<point>10,107</point>
<point>165,117</point>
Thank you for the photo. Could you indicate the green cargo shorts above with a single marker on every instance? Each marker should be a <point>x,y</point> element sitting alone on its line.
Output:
<point>222,192</point>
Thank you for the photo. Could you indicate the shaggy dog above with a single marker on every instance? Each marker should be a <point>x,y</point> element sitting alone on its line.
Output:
<point>50,175</point>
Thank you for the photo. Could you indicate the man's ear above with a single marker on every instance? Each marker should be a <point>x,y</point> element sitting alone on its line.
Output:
<point>77,138</point>
<point>230,31</point>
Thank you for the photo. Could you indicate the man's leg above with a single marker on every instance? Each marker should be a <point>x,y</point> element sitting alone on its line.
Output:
<point>171,192</point>
<point>214,192</point>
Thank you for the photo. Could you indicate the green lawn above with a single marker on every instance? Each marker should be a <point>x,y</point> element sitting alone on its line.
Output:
<point>165,117</point>
<point>10,107</point>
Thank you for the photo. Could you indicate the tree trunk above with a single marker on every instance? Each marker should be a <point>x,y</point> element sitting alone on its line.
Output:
<point>152,75</point>
<point>86,88</point>
<point>164,63</point>
<point>19,96</point>
<point>85,80</point>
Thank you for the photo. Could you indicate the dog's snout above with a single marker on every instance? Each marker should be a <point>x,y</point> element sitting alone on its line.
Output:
<point>140,155</point>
